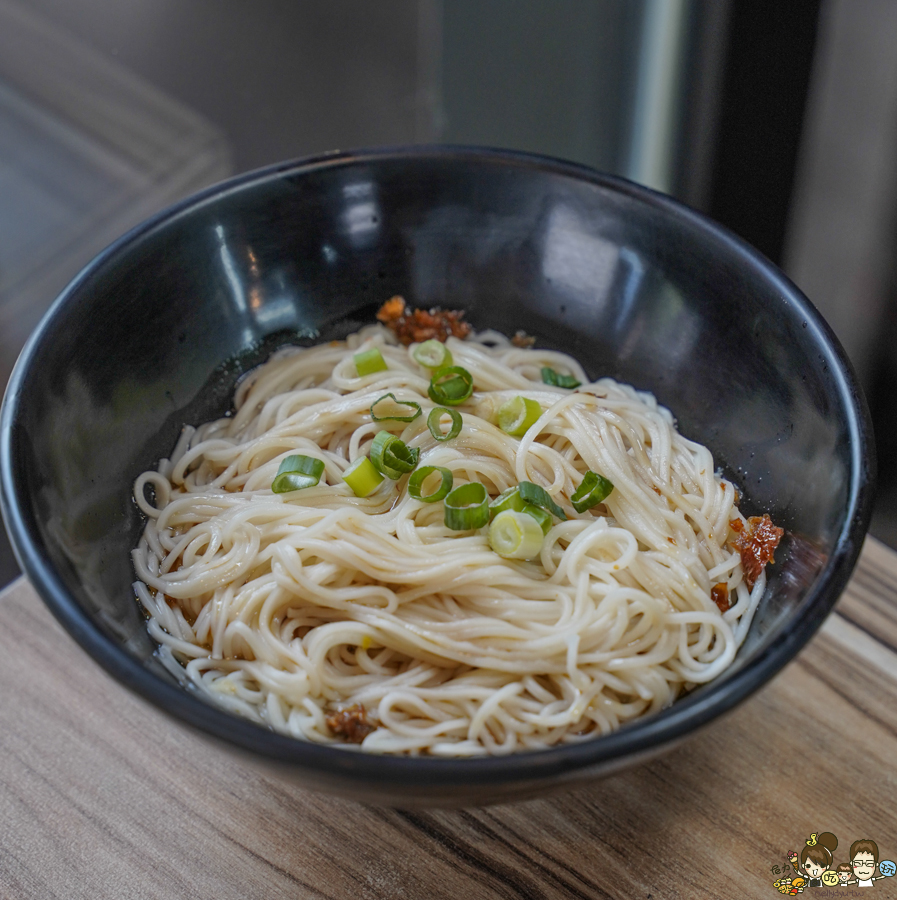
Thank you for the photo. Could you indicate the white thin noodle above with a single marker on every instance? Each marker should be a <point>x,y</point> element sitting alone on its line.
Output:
<point>287,607</point>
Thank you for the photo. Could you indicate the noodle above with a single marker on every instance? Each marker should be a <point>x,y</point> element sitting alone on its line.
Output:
<point>285,608</point>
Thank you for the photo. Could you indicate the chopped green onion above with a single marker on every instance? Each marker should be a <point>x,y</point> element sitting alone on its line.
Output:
<point>532,493</point>
<point>392,456</point>
<point>467,507</point>
<point>515,535</point>
<point>362,477</point>
<point>436,413</point>
<point>516,416</point>
<point>591,491</point>
<point>296,473</point>
<point>416,483</point>
<point>511,499</point>
<point>549,376</point>
<point>542,516</point>
<point>415,407</point>
<point>432,354</point>
<point>369,361</point>
<point>450,385</point>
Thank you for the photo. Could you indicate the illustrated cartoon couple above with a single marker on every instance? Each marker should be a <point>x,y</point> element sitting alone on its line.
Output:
<point>817,857</point>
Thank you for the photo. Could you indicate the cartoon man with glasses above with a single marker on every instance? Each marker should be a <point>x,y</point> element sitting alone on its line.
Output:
<point>863,861</point>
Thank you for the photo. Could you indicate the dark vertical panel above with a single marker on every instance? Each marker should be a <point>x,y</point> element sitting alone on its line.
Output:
<point>880,391</point>
<point>767,72</point>
<point>704,57</point>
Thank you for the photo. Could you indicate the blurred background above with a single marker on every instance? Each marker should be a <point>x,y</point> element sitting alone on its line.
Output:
<point>778,119</point>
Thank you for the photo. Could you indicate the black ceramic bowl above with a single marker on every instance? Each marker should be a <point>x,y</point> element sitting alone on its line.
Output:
<point>156,330</point>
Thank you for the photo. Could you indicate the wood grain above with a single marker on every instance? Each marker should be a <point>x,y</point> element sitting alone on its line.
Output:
<point>101,796</point>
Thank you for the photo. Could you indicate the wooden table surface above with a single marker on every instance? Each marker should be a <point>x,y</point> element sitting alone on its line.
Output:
<point>101,796</point>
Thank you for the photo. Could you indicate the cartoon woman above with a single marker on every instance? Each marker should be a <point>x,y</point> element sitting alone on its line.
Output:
<point>815,858</point>
<point>863,860</point>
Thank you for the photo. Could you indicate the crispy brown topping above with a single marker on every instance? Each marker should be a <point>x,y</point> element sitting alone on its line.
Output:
<point>393,309</point>
<point>757,544</point>
<point>420,325</point>
<point>719,594</point>
<point>523,340</point>
<point>656,490</point>
<point>351,724</point>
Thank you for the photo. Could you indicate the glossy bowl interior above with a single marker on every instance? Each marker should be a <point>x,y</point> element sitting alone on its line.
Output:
<point>154,333</point>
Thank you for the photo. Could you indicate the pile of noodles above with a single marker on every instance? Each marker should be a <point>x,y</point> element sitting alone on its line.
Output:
<point>285,608</point>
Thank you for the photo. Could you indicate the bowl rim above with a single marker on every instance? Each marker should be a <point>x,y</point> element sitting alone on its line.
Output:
<point>642,735</point>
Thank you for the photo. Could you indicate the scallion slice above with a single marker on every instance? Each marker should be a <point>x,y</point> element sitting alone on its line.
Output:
<point>517,415</point>
<point>450,385</point>
<point>415,407</point>
<point>432,354</point>
<point>591,491</point>
<point>392,457</point>
<point>362,477</point>
<point>532,493</point>
<point>549,376</point>
<point>515,535</point>
<point>296,473</point>
<point>542,516</point>
<point>436,413</point>
<point>511,499</point>
<point>467,507</point>
<point>369,361</point>
<point>416,483</point>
